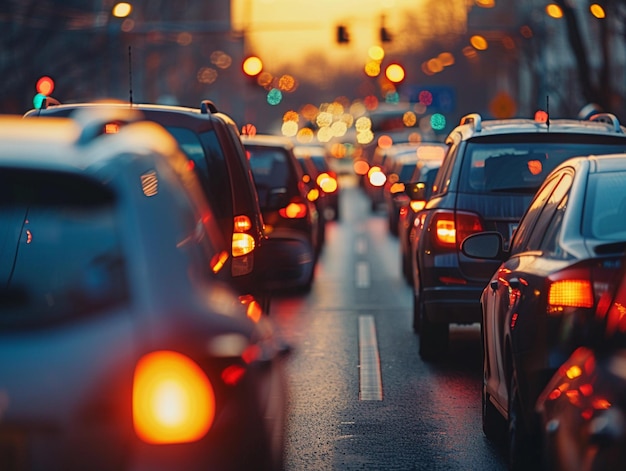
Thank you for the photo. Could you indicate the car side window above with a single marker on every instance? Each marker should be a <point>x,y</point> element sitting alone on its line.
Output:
<point>442,180</point>
<point>550,243</point>
<point>527,223</point>
<point>547,215</point>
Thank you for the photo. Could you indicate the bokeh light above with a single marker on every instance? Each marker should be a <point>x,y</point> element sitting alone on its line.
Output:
<point>554,11</point>
<point>438,121</point>
<point>597,11</point>
<point>252,66</point>
<point>206,75</point>
<point>376,53</point>
<point>289,128</point>
<point>479,42</point>
<point>372,69</point>
<point>122,10</point>
<point>395,73</point>
<point>274,97</point>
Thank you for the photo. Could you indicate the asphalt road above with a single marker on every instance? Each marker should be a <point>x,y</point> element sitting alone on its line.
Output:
<point>361,398</point>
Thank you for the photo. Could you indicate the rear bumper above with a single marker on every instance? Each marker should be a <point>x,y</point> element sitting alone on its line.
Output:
<point>453,304</point>
<point>288,262</point>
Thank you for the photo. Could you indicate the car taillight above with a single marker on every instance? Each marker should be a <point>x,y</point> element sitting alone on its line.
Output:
<point>450,228</point>
<point>173,400</point>
<point>580,286</point>
<point>242,243</point>
<point>294,210</point>
<point>569,293</point>
<point>242,223</point>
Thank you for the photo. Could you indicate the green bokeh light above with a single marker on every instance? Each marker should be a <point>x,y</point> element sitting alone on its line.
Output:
<point>438,121</point>
<point>38,100</point>
<point>274,96</point>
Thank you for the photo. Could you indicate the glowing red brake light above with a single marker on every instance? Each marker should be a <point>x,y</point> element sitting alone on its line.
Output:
<point>450,229</point>
<point>173,400</point>
<point>583,286</point>
<point>294,210</point>
<point>570,293</point>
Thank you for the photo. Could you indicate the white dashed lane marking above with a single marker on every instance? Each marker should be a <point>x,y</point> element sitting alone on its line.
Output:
<point>370,381</point>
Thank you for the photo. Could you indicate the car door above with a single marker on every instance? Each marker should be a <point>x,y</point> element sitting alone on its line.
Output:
<point>503,292</point>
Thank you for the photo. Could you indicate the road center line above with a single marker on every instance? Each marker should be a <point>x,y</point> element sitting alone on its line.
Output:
<point>360,246</point>
<point>370,381</point>
<point>362,275</point>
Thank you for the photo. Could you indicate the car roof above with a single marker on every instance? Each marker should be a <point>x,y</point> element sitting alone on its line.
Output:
<point>66,144</point>
<point>472,125</point>
<point>206,110</point>
<point>604,163</point>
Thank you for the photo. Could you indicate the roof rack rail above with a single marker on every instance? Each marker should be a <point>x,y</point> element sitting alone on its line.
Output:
<point>608,118</point>
<point>207,106</point>
<point>474,119</point>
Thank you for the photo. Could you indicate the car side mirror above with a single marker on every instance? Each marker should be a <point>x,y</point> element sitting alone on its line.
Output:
<point>417,191</point>
<point>486,245</point>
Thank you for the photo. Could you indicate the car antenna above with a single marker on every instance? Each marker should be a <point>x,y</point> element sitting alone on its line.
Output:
<point>130,76</point>
<point>548,111</point>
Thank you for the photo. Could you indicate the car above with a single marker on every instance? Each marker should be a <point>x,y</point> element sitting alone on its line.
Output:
<point>288,211</point>
<point>315,162</point>
<point>405,166</point>
<point>212,143</point>
<point>537,305</point>
<point>487,179</point>
<point>583,406</point>
<point>120,345</point>
<point>417,193</point>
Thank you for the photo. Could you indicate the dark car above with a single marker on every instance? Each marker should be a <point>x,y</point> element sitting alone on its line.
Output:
<point>315,161</point>
<point>536,306</point>
<point>582,409</point>
<point>120,348</point>
<point>406,167</point>
<point>417,193</point>
<point>486,181</point>
<point>211,141</point>
<point>289,214</point>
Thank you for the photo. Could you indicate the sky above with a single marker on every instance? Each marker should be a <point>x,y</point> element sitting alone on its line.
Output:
<point>284,31</point>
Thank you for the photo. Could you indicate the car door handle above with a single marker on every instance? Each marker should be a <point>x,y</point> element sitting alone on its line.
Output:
<point>494,285</point>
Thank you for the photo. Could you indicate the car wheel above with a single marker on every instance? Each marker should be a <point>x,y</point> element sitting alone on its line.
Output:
<point>433,337</point>
<point>493,422</point>
<point>407,273</point>
<point>522,454</point>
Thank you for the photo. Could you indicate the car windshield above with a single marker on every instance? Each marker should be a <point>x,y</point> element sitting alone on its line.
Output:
<point>60,252</point>
<point>605,207</point>
<point>521,166</point>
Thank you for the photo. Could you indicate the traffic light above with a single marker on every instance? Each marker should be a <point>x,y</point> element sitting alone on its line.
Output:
<point>385,35</point>
<point>342,34</point>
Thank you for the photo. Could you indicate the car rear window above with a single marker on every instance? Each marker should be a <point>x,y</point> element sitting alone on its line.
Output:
<point>60,251</point>
<point>272,171</point>
<point>521,166</point>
